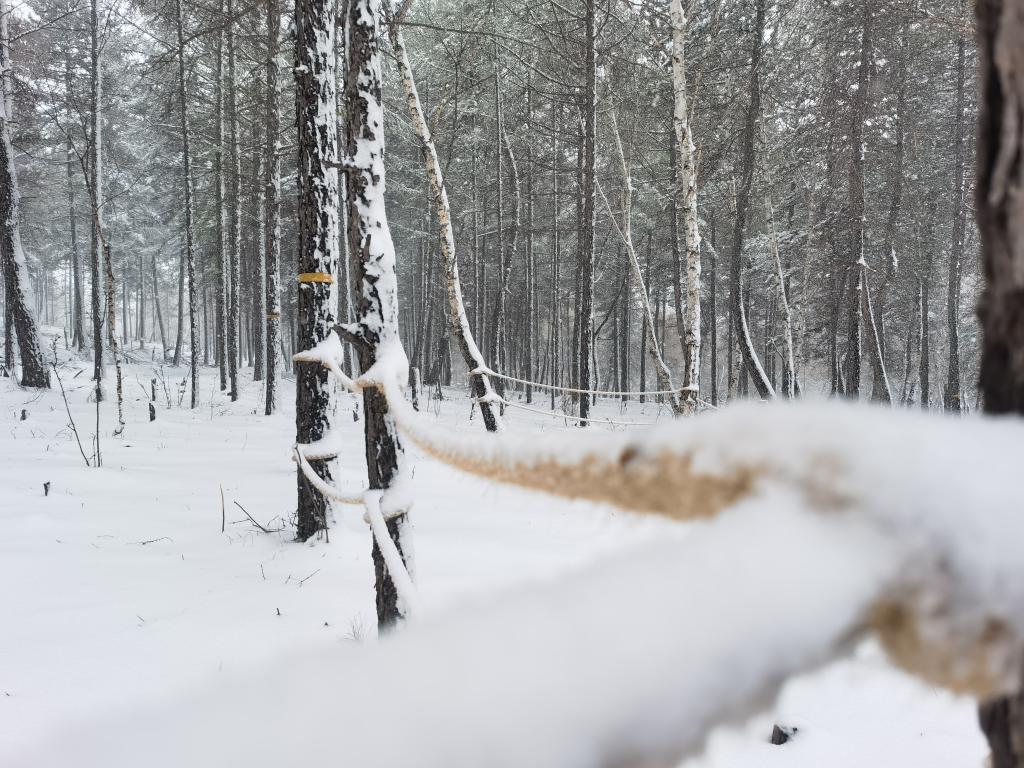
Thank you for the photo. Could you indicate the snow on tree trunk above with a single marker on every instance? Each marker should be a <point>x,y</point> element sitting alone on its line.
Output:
<point>315,74</point>
<point>190,252</point>
<point>19,298</point>
<point>374,331</point>
<point>457,319</point>
<point>687,186</point>
<point>272,202</point>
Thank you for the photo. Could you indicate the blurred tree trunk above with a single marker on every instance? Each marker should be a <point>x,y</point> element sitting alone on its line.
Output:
<point>1000,214</point>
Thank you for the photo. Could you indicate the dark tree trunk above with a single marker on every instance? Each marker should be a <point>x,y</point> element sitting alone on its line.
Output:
<point>189,256</point>
<point>588,219</point>
<point>15,270</point>
<point>272,201</point>
<point>373,273</point>
<point>857,268</point>
<point>1000,212</point>
<point>953,394</point>
<point>77,319</point>
<point>748,149</point>
<point>315,77</point>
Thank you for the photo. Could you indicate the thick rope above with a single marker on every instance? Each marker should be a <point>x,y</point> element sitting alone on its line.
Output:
<point>392,557</point>
<point>571,417</point>
<point>320,484</point>
<point>575,391</point>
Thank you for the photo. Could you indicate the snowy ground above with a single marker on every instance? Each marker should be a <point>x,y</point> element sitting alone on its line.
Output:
<point>120,588</point>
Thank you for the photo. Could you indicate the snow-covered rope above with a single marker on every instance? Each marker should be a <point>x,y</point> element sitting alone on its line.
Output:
<point>572,417</point>
<point>574,390</point>
<point>375,519</point>
<point>392,557</point>
<point>320,484</point>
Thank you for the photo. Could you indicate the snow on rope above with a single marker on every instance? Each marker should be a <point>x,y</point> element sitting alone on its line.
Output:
<point>575,391</point>
<point>572,417</point>
<point>635,659</point>
<point>866,519</point>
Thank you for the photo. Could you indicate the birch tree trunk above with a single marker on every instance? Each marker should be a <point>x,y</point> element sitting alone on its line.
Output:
<point>315,89</point>
<point>375,329</point>
<point>272,201</point>
<point>18,289</point>
<point>457,318</point>
<point>687,187</point>
<point>190,252</point>
<point>626,232</point>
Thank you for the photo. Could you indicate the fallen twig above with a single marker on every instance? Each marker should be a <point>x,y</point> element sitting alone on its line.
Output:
<point>251,518</point>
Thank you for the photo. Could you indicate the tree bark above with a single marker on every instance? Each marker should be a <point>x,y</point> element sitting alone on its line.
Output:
<point>95,182</point>
<point>457,318</point>
<point>190,252</point>
<point>315,78</point>
<point>856,212</point>
<point>1000,213</point>
<point>687,187</point>
<point>748,149</point>
<point>588,217</point>
<point>18,289</point>
<point>953,395</point>
<point>235,203</point>
<point>375,329</point>
<point>272,203</point>
<point>77,313</point>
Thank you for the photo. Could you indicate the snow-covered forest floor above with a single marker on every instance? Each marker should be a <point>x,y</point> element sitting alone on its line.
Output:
<point>120,589</point>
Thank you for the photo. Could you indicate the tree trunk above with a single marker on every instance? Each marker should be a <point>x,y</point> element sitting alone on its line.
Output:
<point>315,78</point>
<point>272,201</point>
<point>953,395</point>
<point>77,318</point>
<point>222,245</point>
<point>18,289</point>
<point>664,377</point>
<point>856,212</point>
<point>739,319</point>
<point>1000,212</point>
<point>190,253</point>
<point>687,187</point>
<point>235,203</point>
<point>95,182</point>
<point>457,319</point>
<point>587,221</point>
<point>159,312</point>
<point>375,330</point>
